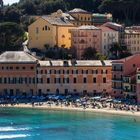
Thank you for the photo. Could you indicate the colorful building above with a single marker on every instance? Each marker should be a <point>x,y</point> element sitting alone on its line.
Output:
<point>17,74</point>
<point>51,31</point>
<point>132,40</point>
<point>125,77</point>
<point>119,28</point>
<point>82,17</point>
<point>109,36</point>
<point>84,37</point>
<point>22,74</point>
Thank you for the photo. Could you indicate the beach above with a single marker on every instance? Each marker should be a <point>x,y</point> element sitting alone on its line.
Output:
<point>71,108</point>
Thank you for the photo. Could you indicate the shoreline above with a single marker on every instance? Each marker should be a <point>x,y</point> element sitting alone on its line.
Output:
<point>64,108</point>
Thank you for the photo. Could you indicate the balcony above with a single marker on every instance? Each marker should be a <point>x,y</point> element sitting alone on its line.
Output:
<point>117,88</point>
<point>117,70</point>
<point>117,79</point>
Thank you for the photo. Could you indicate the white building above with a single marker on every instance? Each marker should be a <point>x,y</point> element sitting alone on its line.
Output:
<point>109,36</point>
<point>132,40</point>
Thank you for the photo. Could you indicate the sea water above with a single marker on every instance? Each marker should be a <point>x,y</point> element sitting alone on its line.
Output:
<point>43,124</point>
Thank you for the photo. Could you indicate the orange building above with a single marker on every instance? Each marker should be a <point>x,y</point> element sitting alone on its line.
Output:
<point>17,73</point>
<point>22,74</point>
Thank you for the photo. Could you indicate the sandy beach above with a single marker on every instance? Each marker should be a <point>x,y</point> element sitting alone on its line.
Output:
<point>70,108</point>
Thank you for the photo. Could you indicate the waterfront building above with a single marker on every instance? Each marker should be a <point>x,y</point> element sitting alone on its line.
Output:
<point>17,73</point>
<point>100,19</point>
<point>125,77</point>
<point>132,40</point>
<point>51,31</point>
<point>84,37</point>
<point>22,74</point>
<point>109,36</point>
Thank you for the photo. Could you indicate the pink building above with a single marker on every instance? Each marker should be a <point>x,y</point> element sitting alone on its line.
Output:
<point>125,77</point>
<point>84,37</point>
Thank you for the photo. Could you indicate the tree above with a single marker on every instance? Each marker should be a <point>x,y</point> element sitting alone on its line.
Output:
<point>11,36</point>
<point>100,56</point>
<point>125,10</point>
<point>118,51</point>
<point>89,53</point>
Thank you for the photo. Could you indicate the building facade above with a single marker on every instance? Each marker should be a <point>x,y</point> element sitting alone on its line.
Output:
<point>119,28</point>
<point>125,77</point>
<point>82,17</point>
<point>84,37</point>
<point>132,40</point>
<point>109,36</point>
<point>22,74</point>
<point>17,74</point>
<point>50,31</point>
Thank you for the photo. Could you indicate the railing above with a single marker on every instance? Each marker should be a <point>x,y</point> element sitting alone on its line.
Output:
<point>117,69</point>
<point>118,88</point>
<point>117,79</point>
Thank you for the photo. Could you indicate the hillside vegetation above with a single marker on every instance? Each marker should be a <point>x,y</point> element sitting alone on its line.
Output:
<point>123,10</point>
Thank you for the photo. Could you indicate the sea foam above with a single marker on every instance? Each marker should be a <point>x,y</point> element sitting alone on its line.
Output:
<point>13,136</point>
<point>4,129</point>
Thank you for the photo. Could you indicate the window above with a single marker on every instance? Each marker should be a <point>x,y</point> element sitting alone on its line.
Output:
<point>63,36</point>
<point>134,65</point>
<point>46,27</point>
<point>66,80</point>
<point>74,71</point>
<point>11,68</point>
<point>94,80</point>
<point>85,80</point>
<point>32,68</point>
<point>23,68</point>
<point>65,71</point>
<point>37,30</point>
<point>74,80</point>
<point>5,80</point>
<point>40,80</point>
<point>66,91</point>
<point>57,80</point>
<point>48,90</point>
<point>138,77</point>
<point>74,90</point>
<point>48,80</point>
<point>84,71</point>
<point>95,71</point>
<point>17,68</point>
<point>104,80</point>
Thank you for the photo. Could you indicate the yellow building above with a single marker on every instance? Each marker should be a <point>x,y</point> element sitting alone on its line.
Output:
<point>51,31</point>
<point>81,17</point>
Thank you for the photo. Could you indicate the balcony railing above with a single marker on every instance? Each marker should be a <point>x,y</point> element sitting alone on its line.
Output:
<point>115,70</point>
<point>117,88</point>
<point>117,79</point>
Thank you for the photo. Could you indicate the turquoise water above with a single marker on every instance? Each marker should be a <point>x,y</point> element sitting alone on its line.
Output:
<point>35,124</point>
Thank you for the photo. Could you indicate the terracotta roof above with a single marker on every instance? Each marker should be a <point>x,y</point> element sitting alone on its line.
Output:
<point>57,21</point>
<point>125,59</point>
<point>103,28</point>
